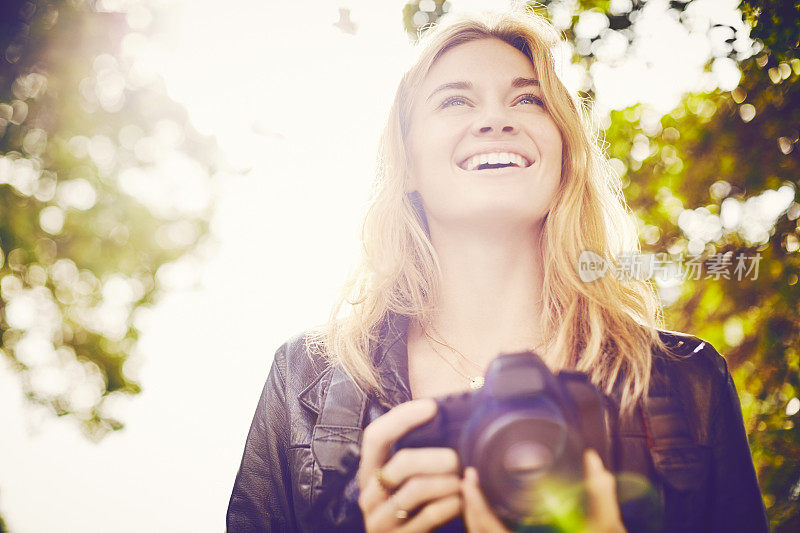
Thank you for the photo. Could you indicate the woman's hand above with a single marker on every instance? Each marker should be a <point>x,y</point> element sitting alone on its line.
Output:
<point>424,481</point>
<point>478,516</point>
<point>601,489</point>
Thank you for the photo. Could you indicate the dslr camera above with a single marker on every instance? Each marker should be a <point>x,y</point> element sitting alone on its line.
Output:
<point>524,431</point>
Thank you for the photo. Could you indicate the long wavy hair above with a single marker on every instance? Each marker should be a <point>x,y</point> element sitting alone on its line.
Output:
<point>606,328</point>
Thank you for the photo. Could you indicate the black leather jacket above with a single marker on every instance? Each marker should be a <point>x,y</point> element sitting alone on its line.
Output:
<point>301,455</point>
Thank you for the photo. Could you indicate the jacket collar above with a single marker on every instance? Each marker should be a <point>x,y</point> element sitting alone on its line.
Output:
<point>341,407</point>
<point>311,396</point>
<point>390,358</point>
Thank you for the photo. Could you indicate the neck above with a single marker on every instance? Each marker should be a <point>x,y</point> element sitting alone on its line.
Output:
<point>490,299</point>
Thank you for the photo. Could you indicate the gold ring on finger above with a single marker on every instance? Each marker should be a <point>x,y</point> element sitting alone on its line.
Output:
<point>399,513</point>
<point>384,483</point>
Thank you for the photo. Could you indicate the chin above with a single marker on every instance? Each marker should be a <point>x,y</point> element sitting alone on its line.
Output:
<point>495,215</point>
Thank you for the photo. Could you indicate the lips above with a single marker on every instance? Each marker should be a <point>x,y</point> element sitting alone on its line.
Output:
<point>495,158</point>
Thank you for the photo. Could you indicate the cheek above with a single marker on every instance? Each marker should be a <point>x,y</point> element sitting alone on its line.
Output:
<point>555,141</point>
<point>429,156</point>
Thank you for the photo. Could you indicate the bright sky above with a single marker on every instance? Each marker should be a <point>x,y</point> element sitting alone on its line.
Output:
<point>300,104</point>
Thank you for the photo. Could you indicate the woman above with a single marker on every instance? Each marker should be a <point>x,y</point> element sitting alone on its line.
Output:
<point>489,187</point>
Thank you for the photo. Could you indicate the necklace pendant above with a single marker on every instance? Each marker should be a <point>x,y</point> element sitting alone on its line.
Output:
<point>476,382</point>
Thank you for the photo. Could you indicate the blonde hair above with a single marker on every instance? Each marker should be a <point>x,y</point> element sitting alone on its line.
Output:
<point>606,328</point>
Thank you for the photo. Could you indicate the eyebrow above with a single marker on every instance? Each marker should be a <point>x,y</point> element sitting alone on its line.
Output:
<point>516,83</point>
<point>524,82</point>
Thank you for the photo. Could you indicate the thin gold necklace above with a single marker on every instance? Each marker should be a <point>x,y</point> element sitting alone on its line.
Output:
<point>447,345</point>
<point>475,382</point>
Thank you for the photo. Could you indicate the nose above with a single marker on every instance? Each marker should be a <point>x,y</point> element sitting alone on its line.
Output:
<point>495,121</point>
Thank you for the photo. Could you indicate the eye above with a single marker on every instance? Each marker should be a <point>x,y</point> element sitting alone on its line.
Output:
<point>453,101</point>
<point>531,98</point>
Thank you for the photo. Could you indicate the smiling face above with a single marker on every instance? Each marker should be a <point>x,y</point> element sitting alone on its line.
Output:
<point>482,147</point>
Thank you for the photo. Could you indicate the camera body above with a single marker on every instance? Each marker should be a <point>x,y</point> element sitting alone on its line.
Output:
<point>524,431</point>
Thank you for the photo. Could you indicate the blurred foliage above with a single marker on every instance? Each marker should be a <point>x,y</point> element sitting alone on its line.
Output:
<point>719,175</point>
<point>91,152</point>
<point>776,23</point>
<point>417,16</point>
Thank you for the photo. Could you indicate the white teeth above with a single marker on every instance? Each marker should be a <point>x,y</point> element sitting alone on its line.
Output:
<point>494,158</point>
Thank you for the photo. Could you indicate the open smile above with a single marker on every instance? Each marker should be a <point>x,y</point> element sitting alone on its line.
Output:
<point>492,160</point>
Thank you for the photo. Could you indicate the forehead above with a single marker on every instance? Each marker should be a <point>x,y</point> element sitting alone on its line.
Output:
<point>484,59</point>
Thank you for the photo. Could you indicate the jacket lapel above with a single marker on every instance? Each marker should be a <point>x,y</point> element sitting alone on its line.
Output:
<point>391,359</point>
<point>343,410</point>
<point>341,406</point>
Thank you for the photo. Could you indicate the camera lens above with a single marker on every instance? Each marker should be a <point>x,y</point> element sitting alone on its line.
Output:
<point>526,457</point>
<point>515,447</point>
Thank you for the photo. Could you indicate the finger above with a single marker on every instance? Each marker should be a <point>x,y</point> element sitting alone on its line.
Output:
<point>405,465</point>
<point>433,515</point>
<point>418,491</point>
<point>371,496</point>
<point>410,462</point>
<point>378,437</point>
<point>601,489</point>
<point>478,514</point>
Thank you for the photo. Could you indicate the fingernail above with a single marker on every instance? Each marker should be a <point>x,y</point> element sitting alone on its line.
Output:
<point>592,461</point>
<point>427,405</point>
<point>422,409</point>
<point>471,475</point>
